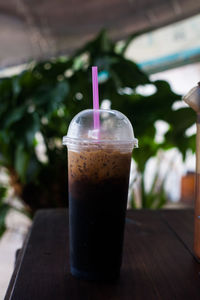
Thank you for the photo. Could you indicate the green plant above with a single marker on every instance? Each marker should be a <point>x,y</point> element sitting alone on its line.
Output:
<point>46,96</point>
<point>4,208</point>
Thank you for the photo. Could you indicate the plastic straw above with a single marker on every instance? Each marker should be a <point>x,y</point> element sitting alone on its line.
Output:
<point>95,97</point>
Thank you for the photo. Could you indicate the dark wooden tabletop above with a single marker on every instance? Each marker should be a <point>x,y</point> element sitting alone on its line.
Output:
<point>158,261</point>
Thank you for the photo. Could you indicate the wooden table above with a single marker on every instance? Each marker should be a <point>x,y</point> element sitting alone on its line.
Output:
<point>158,261</point>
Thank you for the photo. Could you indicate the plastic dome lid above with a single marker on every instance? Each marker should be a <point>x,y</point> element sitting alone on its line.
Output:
<point>114,128</point>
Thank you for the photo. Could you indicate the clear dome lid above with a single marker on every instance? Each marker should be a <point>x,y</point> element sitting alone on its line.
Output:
<point>114,128</point>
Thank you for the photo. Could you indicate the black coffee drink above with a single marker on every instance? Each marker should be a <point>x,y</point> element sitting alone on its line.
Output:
<point>98,187</point>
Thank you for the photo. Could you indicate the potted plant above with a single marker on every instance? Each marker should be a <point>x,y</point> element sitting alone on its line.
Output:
<point>37,105</point>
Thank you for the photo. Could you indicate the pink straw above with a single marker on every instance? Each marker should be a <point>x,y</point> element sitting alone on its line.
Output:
<point>95,97</point>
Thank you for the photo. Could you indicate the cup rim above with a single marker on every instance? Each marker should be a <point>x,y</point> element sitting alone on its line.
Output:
<point>77,141</point>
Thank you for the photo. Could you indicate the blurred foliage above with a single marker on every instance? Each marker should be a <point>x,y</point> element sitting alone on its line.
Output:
<point>4,208</point>
<point>45,97</point>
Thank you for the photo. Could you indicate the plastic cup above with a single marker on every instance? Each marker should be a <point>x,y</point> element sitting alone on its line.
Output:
<point>98,168</point>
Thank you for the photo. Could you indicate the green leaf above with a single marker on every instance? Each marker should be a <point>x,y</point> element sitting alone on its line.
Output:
<point>98,47</point>
<point>48,98</point>
<point>2,229</point>
<point>21,161</point>
<point>16,86</point>
<point>3,193</point>
<point>132,75</point>
<point>50,70</point>
<point>3,213</point>
<point>14,115</point>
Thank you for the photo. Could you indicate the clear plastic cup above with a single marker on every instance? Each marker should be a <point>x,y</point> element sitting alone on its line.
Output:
<point>98,168</point>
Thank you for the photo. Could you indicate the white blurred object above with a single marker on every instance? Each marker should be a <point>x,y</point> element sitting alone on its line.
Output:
<point>178,104</point>
<point>181,79</point>
<point>161,128</point>
<point>106,104</point>
<point>170,168</point>
<point>146,90</point>
<point>40,149</point>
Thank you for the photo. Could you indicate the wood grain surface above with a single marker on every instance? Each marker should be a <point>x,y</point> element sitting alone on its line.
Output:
<point>158,261</point>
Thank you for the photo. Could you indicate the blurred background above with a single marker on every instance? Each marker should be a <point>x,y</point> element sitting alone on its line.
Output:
<point>148,56</point>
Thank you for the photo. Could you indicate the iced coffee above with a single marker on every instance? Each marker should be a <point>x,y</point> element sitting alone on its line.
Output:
<point>98,171</point>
